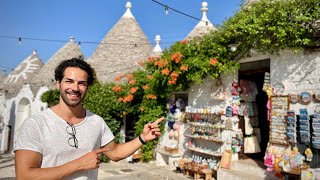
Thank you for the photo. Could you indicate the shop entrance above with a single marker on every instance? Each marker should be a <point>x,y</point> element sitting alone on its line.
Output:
<point>251,80</point>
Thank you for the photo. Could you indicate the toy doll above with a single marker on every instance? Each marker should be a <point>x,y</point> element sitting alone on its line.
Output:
<point>308,154</point>
<point>286,160</point>
<point>277,158</point>
<point>235,89</point>
<point>269,159</point>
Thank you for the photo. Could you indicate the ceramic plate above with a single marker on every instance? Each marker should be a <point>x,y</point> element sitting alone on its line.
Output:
<point>294,98</point>
<point>305,98</point>
<point>278,88</point>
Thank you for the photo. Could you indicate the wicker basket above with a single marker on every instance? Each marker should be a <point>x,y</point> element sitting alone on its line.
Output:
<point>171,150</point>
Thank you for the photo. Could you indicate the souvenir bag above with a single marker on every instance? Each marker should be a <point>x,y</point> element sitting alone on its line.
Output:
<point>251,144</point>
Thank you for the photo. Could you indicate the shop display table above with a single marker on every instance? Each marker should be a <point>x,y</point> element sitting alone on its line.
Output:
<point>293,174</point>
<point>197,172</point>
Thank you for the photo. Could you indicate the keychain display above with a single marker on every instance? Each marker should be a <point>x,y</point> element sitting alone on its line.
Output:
<point>278,127</point>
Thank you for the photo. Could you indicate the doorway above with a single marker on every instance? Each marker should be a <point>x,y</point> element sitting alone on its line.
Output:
<point>253,74</point>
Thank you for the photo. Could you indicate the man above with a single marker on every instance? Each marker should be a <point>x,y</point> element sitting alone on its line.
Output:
<point>64,141</point>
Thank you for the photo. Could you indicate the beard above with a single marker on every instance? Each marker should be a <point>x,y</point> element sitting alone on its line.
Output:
<point>70,102</point>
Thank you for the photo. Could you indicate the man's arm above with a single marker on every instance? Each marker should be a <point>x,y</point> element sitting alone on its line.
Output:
<point>28,163</point>
<point>116,152</point>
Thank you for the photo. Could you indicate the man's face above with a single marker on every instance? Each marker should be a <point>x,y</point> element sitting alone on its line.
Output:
<point>73,87</point>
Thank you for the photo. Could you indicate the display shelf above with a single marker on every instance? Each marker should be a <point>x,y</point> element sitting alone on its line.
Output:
<point>213,153</point>
<point>206,138</point>
<point>162,151</point>
<point>207,125</point>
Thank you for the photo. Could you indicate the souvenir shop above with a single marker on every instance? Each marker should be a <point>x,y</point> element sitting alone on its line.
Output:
<point>238,117</point>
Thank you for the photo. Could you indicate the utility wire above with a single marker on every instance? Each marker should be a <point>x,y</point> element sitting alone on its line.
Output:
<point>166,6</point>
<point>79,42</point>
<point>94,42</point>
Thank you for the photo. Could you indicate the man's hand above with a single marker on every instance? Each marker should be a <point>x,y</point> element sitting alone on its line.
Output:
<point>151,130</point>
<point>90,160</point>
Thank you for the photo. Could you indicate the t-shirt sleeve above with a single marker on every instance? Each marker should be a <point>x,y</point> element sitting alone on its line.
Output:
<point>107,135</point>
<point>29,137</point>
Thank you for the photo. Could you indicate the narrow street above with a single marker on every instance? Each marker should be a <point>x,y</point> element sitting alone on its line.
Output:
<point>121,170</point>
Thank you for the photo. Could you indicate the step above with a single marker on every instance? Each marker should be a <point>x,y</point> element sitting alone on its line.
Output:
<point>246,169</point>
<point>249,165</point>
<point>244,175</point>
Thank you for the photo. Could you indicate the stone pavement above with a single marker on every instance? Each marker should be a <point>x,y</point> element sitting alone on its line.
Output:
<point>121,170</point>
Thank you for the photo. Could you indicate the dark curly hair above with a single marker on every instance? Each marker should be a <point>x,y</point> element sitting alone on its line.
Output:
<point>74,62</point>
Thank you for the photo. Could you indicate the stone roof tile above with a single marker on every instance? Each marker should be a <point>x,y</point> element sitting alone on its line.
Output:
<point>121,49</point>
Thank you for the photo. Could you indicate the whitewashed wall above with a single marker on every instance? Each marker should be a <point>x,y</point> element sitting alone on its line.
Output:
<point>299,72</point>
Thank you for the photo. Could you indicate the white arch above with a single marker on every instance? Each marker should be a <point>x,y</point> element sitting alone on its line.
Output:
<point>23,112</point>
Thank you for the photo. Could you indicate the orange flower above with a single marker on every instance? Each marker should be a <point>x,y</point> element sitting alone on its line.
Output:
<point>184,68</point>
<point>184,42</point>
<point>150,59</point>
<point>128,98</point>
<point>151,96</point>
<point>129,77</point>
<point>117,88</point>
<point>174,74</point>
<point>141,63</point>
<point>165,71</point>
<point>132,81</point>
<point>133,90</point>
<point>176,57</point>
<point>213,61</point>
<point>145,87</point>
<point>120,99</point>
<point>149,77</point>
<point>172,81</point>
<point>117,78</point>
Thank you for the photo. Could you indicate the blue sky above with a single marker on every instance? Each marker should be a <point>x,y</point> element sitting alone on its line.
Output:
<point>90,20</point>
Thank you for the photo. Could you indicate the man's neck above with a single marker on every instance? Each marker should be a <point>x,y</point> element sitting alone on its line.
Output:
<point>70,114</point>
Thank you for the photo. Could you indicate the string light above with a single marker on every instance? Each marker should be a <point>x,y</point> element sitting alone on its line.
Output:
<point>166,8</point>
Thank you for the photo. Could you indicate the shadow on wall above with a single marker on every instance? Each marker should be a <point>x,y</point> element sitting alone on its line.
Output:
<point>295,67</point>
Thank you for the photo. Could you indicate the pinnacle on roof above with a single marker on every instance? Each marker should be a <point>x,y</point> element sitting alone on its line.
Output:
<point>128,13</point>
<point>121,49</point>
<point>157,49</point>
<point>204,26</point>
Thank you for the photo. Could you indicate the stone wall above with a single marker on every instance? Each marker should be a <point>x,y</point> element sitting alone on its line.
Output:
<point>299,72</point>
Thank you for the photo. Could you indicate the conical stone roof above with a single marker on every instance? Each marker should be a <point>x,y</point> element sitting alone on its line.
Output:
<point>22,74</point>
<point>121,49</point>
<point>45,77</point>
<point>204,26</point>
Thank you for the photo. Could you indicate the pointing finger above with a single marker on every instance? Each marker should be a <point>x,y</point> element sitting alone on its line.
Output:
<point>101,150</point>
<point>158,121</point>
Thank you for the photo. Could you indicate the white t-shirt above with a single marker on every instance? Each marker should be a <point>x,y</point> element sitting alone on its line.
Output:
<point>46,133</point>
